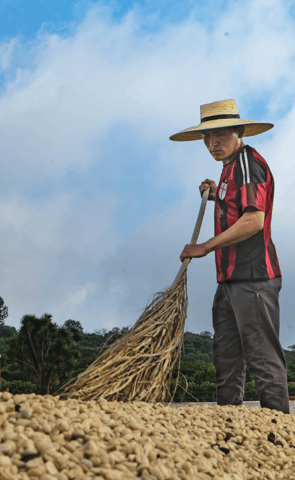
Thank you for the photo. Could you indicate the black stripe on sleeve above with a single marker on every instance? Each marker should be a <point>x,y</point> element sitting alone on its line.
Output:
<point>257,171</point>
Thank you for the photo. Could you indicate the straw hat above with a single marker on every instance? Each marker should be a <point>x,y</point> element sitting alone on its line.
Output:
<point>219,115</point>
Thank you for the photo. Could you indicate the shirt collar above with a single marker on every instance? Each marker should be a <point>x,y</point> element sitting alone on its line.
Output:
<point>235,157</point>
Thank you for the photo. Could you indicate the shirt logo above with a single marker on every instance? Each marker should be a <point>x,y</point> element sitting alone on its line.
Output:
<point>222,190</point>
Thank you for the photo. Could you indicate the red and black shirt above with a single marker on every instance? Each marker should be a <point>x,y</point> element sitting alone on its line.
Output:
<point>246,181</point>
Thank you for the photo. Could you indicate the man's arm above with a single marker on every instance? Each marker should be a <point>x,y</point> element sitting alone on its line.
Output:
<point>249,223</point>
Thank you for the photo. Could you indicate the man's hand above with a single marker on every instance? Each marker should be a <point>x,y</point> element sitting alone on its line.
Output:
<point>247,225</point>
<point>213,188</point>
<point>194,251</point>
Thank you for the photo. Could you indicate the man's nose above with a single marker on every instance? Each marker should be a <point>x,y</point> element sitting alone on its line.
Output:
<point>213,141</point>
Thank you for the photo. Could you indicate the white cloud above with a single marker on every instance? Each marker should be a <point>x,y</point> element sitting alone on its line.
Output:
<point>6,51</point>
<point>78,296</point>
<point>106,73</point>
<point>98,106</point>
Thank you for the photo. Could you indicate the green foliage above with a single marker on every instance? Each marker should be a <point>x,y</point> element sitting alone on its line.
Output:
<point>12,371</point>
<point>181,395</point>
<point>41,357</point>
<point>291,372</point>
<point>198,347</point>
<point>290,357</point>
<point>73,323</point>
<point>3,312</point>
<point>205,392</point>
<point>291,388</point>
<point>198,371</point>
<point>201,382</point>
<point>91,347</point>
<point>250,392</point>
<point>3,345</point>
<point>18,386</point>
<point>204,373</point>
<point>43,351</point>
<point>7,332</point>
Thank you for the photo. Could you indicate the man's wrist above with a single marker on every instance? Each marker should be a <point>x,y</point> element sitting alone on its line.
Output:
<point>209,247</point>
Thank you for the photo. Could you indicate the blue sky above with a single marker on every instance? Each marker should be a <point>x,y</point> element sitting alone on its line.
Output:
<point>96,202</point>
<point>25,18</point>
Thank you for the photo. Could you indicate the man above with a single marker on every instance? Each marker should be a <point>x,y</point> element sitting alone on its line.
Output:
<point>246,316</point>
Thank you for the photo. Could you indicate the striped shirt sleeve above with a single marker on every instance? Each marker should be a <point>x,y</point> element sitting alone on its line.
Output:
<point>253,177</point>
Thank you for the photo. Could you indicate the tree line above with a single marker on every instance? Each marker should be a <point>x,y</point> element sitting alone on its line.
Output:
<point>41,356</point>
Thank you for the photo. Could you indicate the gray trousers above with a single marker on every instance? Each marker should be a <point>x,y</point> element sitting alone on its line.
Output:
<point>246,321</point>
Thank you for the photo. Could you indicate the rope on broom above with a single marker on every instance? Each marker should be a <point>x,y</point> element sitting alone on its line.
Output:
<point>139,365</point>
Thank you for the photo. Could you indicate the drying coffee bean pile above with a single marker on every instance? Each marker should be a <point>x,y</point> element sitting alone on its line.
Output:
<point>47,438</point>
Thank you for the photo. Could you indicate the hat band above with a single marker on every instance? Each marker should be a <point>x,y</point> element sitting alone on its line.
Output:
<point>219,117</point>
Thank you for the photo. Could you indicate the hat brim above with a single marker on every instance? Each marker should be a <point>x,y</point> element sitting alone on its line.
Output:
<point>252,127</point>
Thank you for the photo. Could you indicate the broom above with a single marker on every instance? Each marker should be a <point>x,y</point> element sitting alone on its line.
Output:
<point>138,366</point>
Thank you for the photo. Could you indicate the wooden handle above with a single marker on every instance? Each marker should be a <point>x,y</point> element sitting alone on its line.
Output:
<point>195,235</point>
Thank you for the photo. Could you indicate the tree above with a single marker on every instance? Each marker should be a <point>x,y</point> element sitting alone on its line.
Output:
<point>7,332</point>
<point>197,346</point>
<point>290,356</point>
<point>74,324</point>
<point>3,312</point>
<point>101,332</point>
<point>44,350</point>
<point>206,334</point>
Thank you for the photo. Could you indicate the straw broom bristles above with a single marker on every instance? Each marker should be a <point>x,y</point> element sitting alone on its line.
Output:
<point>139,365</point>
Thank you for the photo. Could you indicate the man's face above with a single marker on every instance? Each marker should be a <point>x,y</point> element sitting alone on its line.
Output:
<point>222,143</point>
